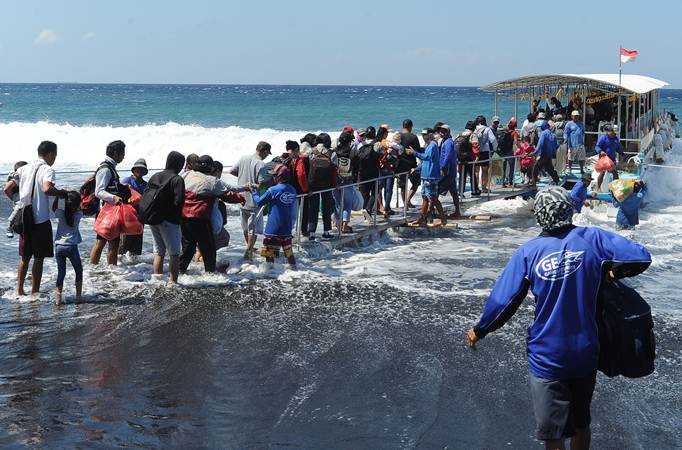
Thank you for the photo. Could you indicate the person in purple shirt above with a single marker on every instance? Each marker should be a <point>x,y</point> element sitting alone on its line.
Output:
<point>609,145</point>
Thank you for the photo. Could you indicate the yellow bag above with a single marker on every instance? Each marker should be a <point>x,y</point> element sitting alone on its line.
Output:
<point>621,189</point>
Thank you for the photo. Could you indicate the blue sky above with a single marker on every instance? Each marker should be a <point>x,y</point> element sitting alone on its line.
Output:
<point>316,42</point>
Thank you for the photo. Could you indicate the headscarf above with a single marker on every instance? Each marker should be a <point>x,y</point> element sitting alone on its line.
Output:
<point>553,208</point>
<point>282,174</point>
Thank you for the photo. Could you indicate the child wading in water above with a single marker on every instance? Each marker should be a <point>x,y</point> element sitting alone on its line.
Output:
<point>282,200</point>
<point>66,242</point>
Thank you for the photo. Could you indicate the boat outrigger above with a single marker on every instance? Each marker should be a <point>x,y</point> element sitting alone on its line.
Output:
<point>628,102</point>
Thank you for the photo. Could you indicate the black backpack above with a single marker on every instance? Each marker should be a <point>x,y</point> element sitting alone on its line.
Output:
<point>321,172</point>
<point>149,208</point>
<point>627,345</point>
<point>505,142</point>
<point>465,151</point>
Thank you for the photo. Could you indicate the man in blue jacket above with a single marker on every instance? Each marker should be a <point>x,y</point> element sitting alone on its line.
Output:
<point>609,145</point>
<point>579,192</point>
<point>448,167</point>
<point>563,268</point>
<point>281,219</point>
<point>545,152</point>
<point>430,175</point>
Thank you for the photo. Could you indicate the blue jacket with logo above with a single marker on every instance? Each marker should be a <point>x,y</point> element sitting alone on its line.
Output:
<point>430,162</point>
<point>282,216</point>
<point>563,270</point>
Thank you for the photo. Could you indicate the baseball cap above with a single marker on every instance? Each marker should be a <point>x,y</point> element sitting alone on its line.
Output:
<point>495,119</point>
<point>362,131</point>
<point>541,116</point>
<point>575,113</point>
<point>347,129</point>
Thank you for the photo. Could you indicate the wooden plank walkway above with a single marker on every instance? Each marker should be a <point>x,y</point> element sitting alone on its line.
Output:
<point>365,232</point>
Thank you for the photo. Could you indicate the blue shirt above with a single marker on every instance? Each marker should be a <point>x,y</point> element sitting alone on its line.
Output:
<point>609,145</point>
<point>430,162</point>
<point>579,195</point>
<point>628,210</point>
<point>448,158</point>
<point>574,134</point>
<point>563,272</point>
<point>547,145</point>
<point>282,216</point>
<point>138,187</point>
<point>67,235</point>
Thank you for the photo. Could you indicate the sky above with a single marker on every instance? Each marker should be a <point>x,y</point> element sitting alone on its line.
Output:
<point>323,42</point>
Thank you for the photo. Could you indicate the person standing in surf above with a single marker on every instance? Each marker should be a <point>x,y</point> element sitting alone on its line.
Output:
<point>248,171</point>
<point>108,189</point>
<point>162,205</point>
<point>563,268</point>
<point>133,243</point>
<point>282,200</point>
<point>36,182</point>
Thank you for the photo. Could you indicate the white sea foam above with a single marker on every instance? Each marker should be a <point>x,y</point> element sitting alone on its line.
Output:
<point>83,146</point>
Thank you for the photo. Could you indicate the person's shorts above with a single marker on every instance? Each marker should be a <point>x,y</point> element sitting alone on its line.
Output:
<point>561,406</point>
<point>484,157</point>
<point>167,239</point>
<point>272,244</point>
<point>131,243</point>
<point>577,153</point>
<point>37,242</point>
<point>102,238</point>
<point>251,221</point>
<point>429,188</point>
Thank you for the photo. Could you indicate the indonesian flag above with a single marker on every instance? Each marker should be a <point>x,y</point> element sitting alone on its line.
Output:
<point>627,55</point>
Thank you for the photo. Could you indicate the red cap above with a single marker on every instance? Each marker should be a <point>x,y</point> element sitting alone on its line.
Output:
<point>512,121</point>
<point>347,129</point>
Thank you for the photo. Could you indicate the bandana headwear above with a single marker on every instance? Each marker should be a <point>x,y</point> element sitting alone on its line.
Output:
<point>553,208</point>
<point>282,174</point>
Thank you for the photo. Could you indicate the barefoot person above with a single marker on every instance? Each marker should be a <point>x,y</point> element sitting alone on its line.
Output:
<point>282,200</point>
<point>248,172</point>
<point>161,206</point>
<point>66,242</point>
<point>36,182</point>
<point>563,268</point>
<point>108,189</point>
<point>430,175</point>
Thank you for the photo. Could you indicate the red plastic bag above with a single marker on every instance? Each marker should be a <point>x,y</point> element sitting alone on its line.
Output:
<point>605,164</point>
<point>130,224</point>
<point>108,223</point>
<point>134,197</point>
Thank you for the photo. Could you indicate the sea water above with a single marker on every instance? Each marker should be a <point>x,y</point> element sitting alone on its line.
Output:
<point>361,348</point>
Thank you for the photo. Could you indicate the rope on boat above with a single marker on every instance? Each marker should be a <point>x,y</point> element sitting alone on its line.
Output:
<point>662,166</point>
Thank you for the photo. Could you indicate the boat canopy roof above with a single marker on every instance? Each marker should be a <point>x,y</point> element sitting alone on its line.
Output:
<point>635,84</point>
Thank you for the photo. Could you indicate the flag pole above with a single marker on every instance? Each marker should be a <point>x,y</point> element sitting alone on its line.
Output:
<point>620,74</point>
<point>620,66</point>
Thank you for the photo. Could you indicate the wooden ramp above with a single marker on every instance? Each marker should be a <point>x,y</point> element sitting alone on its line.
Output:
<point>365,232</point>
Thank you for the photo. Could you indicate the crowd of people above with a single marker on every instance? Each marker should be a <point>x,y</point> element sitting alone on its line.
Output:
<point>184,205</point>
